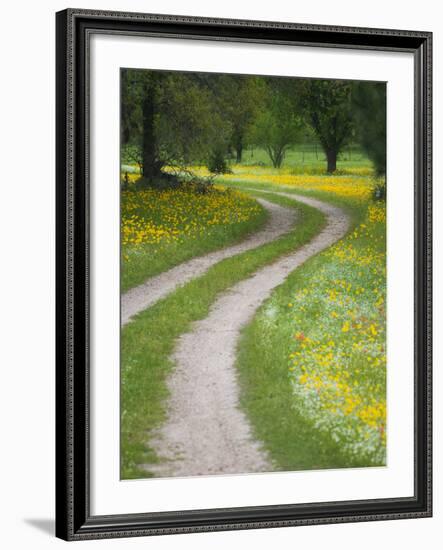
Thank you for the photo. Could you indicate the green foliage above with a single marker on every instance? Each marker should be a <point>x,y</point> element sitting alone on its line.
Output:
<point>130,107</point>
<point>326,106</point>
<point>188,124</point>
<point>379,190</point>
<point>217,163</point>
<point>168,118</point>
<point>176,119</point>
<point>369,100</point>
<point>131,156</point>
<point>242,98</point>
<point>277,127</point>
<point>236,100</point>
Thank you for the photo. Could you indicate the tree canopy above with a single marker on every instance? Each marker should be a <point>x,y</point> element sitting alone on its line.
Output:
<point>369,102</point>
<point>327,108</point>
<point>277,126</point>
<point>176,119</point>
<point>169,118</point>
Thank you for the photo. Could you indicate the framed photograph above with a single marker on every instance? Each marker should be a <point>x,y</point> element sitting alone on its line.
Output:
<point>243,274</point>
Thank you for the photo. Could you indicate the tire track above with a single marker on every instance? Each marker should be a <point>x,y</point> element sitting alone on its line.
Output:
<point>206,432</point>
<point>281,220</point>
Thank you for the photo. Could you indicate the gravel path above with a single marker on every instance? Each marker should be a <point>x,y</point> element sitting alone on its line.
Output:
<point>206,432</point>
<point>137,299</point>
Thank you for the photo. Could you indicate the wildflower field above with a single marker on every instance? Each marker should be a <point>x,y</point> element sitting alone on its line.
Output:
<point>161,228</point>
<point>313,362</point>
<point>356,184</point>
<point>148,341</point>
<point>337,362</point>
<point>271,354</point>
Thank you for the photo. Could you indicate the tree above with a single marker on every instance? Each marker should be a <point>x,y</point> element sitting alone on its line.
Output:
<point>277,127</point>
<point>169,117</point>
<point>237,100</point>
<point>369,101</point>
<point>327,107</point>
<point>130,107</point>
<point>243,96</point>
<point>151,161</point>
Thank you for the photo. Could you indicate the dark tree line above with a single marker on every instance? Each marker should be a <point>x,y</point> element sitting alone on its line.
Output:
<point>176,119</point>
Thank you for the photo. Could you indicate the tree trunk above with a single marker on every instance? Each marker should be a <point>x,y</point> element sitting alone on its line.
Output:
<point>277,157</point>
<point>151,167</point>
<point>239,150</point>
<point>331,155</point>
<point>237,143</point>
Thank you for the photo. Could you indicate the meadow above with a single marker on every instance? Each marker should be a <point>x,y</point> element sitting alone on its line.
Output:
<point>148,341</point>
<point>312,363</point>
<point>162,228</point>
<point>315,357</point>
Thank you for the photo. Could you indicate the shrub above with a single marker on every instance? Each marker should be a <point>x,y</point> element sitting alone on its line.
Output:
<point>379,190</point>
<point>217,163</point>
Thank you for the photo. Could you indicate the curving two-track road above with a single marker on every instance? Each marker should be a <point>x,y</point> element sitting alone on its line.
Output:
<point>206,432</point>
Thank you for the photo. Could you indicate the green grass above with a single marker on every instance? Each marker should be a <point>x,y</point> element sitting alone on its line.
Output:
<point>192,216</point>
<point>309,160</point>
<point>147,342</point>
<point>301,159</point>
<point>313,423</point>
<point>150,260</point>
<point>355,208</point>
